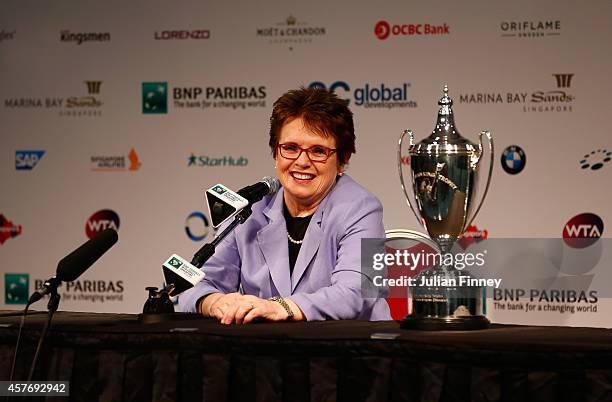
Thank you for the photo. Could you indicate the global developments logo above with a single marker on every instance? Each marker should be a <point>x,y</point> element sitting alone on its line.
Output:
<point>72,106</point>
<point>513,159</point>
<point>197,226</point>
<point>8,230</point>
<point>16,288</point>
<point>27,160</point>
<point>384,29</point>
<point>372,95</point>
<point>80,37</point>
<point>583,230</point>
<point>100,221</point>
<point>120,163</point>
<point>530,29</point>
<point>596,159</point>
<point>291,32</point>
<point>538,101</point>
<point>155,97</point>
<point>207,161</point>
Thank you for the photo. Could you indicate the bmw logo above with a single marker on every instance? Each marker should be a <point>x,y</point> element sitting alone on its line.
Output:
<point>513,159</point>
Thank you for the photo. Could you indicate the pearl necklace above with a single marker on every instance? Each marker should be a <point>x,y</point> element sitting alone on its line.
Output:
<point>292,240</point>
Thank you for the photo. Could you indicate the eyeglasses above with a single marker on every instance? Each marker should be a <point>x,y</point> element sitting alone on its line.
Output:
<point>316,153</point>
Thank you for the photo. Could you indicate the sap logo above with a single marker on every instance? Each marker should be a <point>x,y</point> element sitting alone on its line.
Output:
<point>583,230</point>
<point>100,221</point>
<point>27,160</point>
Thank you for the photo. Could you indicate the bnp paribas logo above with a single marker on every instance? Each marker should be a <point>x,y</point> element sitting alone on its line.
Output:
<point>154,97</point>
<point>16,288</point>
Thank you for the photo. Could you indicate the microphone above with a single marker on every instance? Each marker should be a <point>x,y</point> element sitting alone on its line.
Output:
<point>255,192</point>
<point>74,264</point>
<point>223,203</point>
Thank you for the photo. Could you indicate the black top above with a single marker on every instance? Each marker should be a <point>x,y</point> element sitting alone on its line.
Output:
<point>296,227</point>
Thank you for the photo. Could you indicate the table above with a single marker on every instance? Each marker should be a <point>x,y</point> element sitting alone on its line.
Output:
<point>114,357</point>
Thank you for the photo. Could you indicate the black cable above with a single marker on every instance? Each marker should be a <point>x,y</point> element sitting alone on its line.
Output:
<point>52,307</point>
<point>23,316</point>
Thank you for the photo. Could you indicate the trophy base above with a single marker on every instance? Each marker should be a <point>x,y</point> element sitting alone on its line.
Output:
<point>466,323</point>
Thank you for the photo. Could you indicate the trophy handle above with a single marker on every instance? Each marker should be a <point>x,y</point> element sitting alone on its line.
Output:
<point>490,173</point>
<point>399,166</point>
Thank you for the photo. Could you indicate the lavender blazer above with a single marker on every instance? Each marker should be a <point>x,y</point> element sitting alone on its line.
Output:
<point>326,279</point>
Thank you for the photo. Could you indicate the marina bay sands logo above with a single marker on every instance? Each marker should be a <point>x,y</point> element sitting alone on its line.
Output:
<point>558,99</point>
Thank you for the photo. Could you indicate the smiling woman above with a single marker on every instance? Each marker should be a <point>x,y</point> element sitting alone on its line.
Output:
<point>298,256</point>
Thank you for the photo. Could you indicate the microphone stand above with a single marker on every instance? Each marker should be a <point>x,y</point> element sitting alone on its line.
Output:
<point>158,305</point>
<point>207,251</point>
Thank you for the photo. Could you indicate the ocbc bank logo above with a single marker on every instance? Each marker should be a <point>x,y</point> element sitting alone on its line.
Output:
<point>383,29</point>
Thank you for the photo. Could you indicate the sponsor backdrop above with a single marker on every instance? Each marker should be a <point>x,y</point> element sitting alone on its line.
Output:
<point>116,114</point>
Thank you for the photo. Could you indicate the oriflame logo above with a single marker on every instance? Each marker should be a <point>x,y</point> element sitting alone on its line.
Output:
<point>383,29</point>
<point>583,230</point>
<point>100,221</point>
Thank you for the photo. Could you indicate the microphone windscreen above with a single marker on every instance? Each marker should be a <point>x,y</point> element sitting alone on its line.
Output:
<point>272,183</point>
<point>74,264</point>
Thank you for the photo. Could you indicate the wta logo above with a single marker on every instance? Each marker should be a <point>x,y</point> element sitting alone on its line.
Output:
<point>100,221</point>
<point>383,29</point>
<point>583,230</point>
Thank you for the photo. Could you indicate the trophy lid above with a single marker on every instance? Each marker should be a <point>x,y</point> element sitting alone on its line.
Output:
<point>445,137</point>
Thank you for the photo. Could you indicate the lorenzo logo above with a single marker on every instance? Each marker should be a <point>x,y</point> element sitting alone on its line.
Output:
<point>27,160</point>
<point>197,226</point>
<point>596,159</point>
<point>583,230</point>
<point>513,159</point>
<point>8,230</point>
<point>383,29</point>
<point>182,34</point>
<point>100,221</point>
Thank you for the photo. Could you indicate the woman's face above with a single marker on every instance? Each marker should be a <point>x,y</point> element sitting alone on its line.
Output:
<point>305,183</point>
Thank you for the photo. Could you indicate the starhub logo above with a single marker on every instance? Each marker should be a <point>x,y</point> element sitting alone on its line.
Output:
<point>371,95</point>
<point>215,161</point>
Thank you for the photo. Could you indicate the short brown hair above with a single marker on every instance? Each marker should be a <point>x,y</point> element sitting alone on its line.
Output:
<point>323,112</point>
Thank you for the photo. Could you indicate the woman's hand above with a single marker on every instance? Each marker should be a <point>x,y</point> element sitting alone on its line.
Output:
<point>243,309</point>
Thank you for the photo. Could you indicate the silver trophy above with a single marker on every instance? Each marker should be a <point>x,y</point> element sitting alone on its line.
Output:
<point>445,169</point>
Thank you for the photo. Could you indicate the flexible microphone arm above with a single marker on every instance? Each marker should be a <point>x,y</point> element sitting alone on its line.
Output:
<point>207,251</point>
